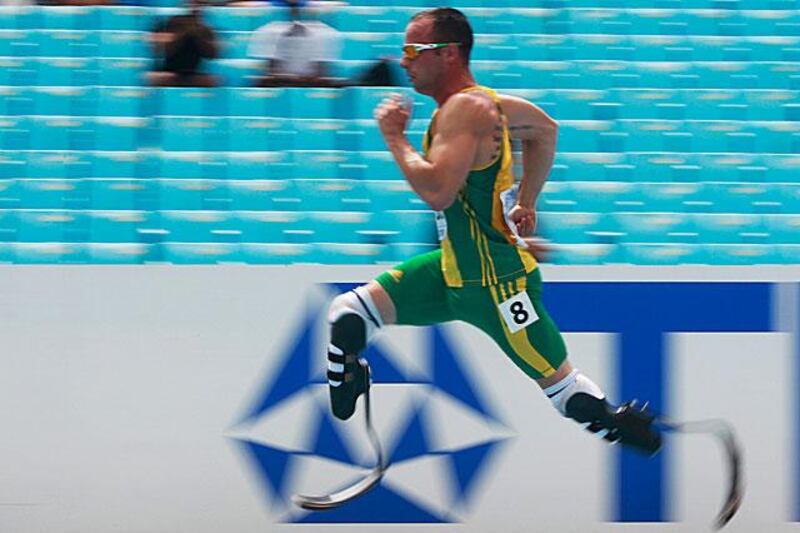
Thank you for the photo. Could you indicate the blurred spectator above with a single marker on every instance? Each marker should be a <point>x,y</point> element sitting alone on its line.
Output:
<point>297,53</point>
<point>180,45</point>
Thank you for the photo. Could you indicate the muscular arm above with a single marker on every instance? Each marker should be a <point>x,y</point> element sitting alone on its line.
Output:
<point>538,133</point>
<point>462,122</point>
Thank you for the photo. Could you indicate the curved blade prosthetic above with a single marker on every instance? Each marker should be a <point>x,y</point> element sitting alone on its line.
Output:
<point>361,487</point>
<point>724,432</point>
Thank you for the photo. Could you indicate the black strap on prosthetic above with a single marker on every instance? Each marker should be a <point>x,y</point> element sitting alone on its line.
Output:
<point>366,308</point>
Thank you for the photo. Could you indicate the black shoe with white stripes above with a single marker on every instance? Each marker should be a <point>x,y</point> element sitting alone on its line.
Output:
<point>627,424</point>
<point>348,378</point>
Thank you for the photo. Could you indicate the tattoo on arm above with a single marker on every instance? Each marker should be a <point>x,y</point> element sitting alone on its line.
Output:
<point>521,127</point>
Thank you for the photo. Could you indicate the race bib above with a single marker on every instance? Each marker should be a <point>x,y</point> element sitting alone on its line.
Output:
<point>441,225</point>
<point>518,312</point>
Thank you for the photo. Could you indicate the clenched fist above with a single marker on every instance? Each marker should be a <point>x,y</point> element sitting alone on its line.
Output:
<point>393,115</point>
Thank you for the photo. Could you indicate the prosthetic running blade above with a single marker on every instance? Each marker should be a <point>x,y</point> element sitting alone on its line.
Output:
<point>724,432</point>
<point>361,487</point>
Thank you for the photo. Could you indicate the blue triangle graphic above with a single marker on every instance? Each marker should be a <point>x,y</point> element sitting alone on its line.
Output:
<point>467,463</point>
<point>327,442</point>
<point>382,368</point>
<point>381,505</point>
<point>449,376</point>
<point>414,440</point>
<point>272,466</point>
<point>292,377</point>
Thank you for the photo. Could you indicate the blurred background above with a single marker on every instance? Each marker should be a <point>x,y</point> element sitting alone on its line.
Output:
<point>154,131</point>
<point>166,399</point>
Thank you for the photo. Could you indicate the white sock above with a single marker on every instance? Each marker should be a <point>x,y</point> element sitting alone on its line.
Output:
<point>562,391</point>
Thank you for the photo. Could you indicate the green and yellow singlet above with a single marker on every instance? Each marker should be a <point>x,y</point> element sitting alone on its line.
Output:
<point>479,246</point>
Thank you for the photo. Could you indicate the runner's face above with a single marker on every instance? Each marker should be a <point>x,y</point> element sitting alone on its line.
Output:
<point>426,69</point>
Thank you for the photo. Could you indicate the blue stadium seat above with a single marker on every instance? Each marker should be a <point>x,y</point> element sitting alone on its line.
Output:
<point>332,194</point>
<point>127,44</point>
<point>119,72</point>
<point>655,227</point>
<point>576,228</point>
<point>186,194</point>
<point>118,226</point>
<point>119,253</point>
<point>120,165</point>
<point>660,253</point>
<point>126,18</point>
<point>328,165</point>
<point>258,103</point>
<point>404,226</point>
<point>200,253</point>
<point>677,197</point>
<point>15,133</point>
<point>53,194</point>
<point>730,228</point>
<point>261,134</point>
<point>318,134</point>
<point>584,254</point>
<point>69,43</point>
<point>741,254</point>
<point>392,195</point>
<point>265,195</point>
<point>80,71</point>
<point>57,101</point>
<point>61,133</point>
<point>17,43</point>
<point>55,226</point>
<point>121,133</point>
<point>49,253</point>
<point>604,196</point>
<point>16,101</point>
<point>789,196</point>
<point>260,165</point>
<point>73,165</point>
<point>269,226</point>
<point>192,134</point>
<point>339,226</point>
<point>9,223</point>
<point>380,165</point>
<point>9,194</point>
<point>316,103</point>
<point>745,197</point>
<point>244,19</point>
<point>192,165</point>
<point>19,71</point>
<point>783,228</point>
<point>191,101</point>
<point>277,253</point>
<point>125,102</point>
<point>348,253</point>
<point>121,193</point>
<point>198,226</point>
<point>69,18</point>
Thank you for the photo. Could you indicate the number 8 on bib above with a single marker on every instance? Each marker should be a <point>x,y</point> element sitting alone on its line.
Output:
<point>518,312</point>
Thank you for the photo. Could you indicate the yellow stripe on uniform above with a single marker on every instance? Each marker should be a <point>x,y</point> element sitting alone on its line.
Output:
<point>475,233</point>
<point>483,244</point>
<point>521,344</point>
<point>452,274</point>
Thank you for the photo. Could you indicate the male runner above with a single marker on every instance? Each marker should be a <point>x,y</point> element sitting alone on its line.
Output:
<point>484,272</point>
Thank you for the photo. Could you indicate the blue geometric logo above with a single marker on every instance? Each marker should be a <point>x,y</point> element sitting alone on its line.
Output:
<point>438,430</point>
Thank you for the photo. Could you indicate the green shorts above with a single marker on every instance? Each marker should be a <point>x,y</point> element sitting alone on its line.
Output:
<point>421,298</point>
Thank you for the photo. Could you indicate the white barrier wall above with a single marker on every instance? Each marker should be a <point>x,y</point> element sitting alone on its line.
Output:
<point>144,399</point>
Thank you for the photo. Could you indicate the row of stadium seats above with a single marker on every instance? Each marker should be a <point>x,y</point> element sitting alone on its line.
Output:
<point>341,253</point>
<point>331,194</point>
<point>366,46</point>
<point>360,103</point>
<point>654,167</point>
<point>189,134</point>
<point>354,227</point>
<point>616,21</point>
<point>26,71</point>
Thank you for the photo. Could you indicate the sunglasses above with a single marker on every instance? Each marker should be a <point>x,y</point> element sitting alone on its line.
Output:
<point>413,50</point>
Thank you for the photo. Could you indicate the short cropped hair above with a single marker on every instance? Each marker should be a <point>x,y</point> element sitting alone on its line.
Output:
<point>450,26</point>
